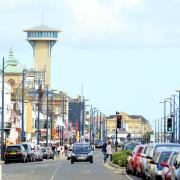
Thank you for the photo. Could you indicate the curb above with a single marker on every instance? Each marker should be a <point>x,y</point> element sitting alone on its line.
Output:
<point>121,169</point>
<point>2,162</point>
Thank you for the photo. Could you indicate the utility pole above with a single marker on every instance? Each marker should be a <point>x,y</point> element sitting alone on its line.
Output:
<point>62,117</point>
<point>51,115</point>
<point>90,138</point>
<point>83,104</point>
<point>47,109</point>
<point>100,126</point>
<point>2,113</point>
<point>38,131</point>
<point>22,114</point>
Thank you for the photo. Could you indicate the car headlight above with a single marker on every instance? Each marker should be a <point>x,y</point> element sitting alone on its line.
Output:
<point>73,154</point>
<point>90,154</point>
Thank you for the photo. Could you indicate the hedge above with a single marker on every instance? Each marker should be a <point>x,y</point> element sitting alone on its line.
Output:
<point>120,158</point>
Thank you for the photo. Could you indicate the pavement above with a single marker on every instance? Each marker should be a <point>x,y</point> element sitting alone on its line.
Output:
<point>61,168</point>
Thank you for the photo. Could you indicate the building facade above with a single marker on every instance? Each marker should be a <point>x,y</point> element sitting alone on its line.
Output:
<point>136,125</point>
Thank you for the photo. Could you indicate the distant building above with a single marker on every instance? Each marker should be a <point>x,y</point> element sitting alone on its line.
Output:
<point>136,125</point>
<point>75,112</point>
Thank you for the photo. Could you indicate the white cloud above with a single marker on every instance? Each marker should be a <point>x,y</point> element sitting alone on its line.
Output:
<point>96,18</point>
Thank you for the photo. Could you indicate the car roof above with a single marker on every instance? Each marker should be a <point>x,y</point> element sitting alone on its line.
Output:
<point>14,145</point>
<point>81,144</point>
<point>164,144</point>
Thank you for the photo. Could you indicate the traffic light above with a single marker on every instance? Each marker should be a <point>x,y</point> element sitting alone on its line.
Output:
<point>119,121</point>
<point>169,124</point>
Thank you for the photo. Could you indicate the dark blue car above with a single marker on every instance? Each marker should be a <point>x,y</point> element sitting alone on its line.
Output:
<point>81,152</point>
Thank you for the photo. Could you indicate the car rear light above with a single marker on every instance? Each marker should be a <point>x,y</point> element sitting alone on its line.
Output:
<point>19,152</point>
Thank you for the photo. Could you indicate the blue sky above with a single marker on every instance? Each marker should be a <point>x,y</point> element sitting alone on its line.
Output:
<point>126,52</point>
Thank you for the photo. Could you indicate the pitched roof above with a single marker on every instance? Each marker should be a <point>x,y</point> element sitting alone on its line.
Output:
<point>42,28</point>
<point>138,117</point>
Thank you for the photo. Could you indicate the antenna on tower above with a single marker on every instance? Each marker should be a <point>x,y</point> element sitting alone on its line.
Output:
<point>82,92</point>
<point>42,16</point>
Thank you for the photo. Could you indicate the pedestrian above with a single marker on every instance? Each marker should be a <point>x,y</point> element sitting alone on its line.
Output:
<point>58,150</point>
<point>109,150</point>
<point>104,151</point>
<point>66,148</point>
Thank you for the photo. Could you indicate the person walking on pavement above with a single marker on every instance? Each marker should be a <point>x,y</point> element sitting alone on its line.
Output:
<point>109,150</point>
<point>104,151</point>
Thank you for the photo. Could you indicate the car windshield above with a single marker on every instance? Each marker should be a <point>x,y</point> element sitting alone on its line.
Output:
<point>81,147</point>
<point>164,148</point>
<point>43,150</point>
<point>13,148</point>
<point>25,146</point>
<point>164,157</point>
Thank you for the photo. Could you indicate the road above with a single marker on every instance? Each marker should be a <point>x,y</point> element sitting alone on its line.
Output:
<point>62,169</point>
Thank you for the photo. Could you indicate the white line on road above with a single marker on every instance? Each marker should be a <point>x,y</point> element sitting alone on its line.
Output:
<point>129,177</point>
<point>54,173</point>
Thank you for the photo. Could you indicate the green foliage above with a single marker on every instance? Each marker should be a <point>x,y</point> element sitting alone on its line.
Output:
<point>120,158</point>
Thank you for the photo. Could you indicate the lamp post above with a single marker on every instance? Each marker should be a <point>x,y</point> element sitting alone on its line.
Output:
<point>100,126</point>
<point>179,118</point>
<point>93,134</point>
<point>62,116</point>
<point>22,114</point>
<point>104,127</point>
<point>91,118</point>
<point>38,128</point>
<point>164,102</point>
<point>2,121</point>
<point>47,109</point>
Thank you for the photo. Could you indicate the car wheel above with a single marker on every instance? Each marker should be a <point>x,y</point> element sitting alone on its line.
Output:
<point>72,161</point>
<point>133,171</point>
<point>91,161</point>
<point>31,159</point>
<point>127,169</point>
<point>6,162</point>
<point>24,159</point>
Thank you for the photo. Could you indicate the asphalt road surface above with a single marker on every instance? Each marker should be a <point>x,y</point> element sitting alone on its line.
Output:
<point>62,169</point>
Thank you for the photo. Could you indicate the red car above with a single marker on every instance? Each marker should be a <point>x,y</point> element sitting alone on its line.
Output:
<point>140,165</point>
<point>132,159</point>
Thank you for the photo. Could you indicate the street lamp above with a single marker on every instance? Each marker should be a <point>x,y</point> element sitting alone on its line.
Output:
<point>179,118</point>
<point>2,112</point>
<point>164,102</point>
<point>52,91</point>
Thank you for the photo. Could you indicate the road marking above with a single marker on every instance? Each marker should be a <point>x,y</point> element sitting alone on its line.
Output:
<point>129,177</point>
<point>54,173</point>
<point>87,171</point>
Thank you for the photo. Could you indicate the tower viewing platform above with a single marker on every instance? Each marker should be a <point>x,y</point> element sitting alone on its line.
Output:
<point>42,39</point>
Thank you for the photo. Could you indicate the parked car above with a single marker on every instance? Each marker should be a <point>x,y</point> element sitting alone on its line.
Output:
<point>81,152</point>
<point>15,153</point>
<point>140,170</point>
<point>151,151</point>
<point>38,154</point>
<point>168,167</point>
<point>50,152</point>
<point>175,175</point>
<point>45,153</point>
<point>132,159</point>
<point>30,152</point>
<point>157,165</point>
<point>98,144</point>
